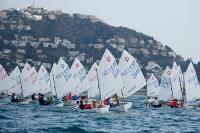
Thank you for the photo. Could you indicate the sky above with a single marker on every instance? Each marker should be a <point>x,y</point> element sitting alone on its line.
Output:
<point>175,23</point>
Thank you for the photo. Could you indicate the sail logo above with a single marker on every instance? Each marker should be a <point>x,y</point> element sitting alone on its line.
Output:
<point>28,68</point>
<point>95,69</point>
<point>65,72</point>
<point>77,65</point>
<point>168,72</point>
<point>113,69</point>
<point>133,69</point>
<point>108,59</point>
<point>31,77</point>
<point>165,83</point>
<point>126,58</point>
<point>94,78</point>
<point>80,75</point>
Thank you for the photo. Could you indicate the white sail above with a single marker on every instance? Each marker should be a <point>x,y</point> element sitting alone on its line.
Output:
<point>62,79</point>
<point>13,82</point>
<point>79,80</point>
<point>52,79</point>
<point>175,82</point>
<point>93,81</point>
<point>165,92</point>
<point>3,76</point>
<point>110,81</point>
<point>131,74</point>
<point>152,86</point>
<point>44,80</point>
<point>29,81</point>
<point>192,88</point>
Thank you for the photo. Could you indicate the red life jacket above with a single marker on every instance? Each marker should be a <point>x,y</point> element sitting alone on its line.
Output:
<point>106,101</point>
<point>173,103</point>
<point>69,97</point>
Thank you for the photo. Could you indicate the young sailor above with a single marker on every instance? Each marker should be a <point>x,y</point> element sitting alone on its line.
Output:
<point>150,101</point>
<point>156,103</point>
<point>42,101</point>
<point>84,105</point>
<point>33,97</point>
<point>173,103</point>
<point>14,98</point>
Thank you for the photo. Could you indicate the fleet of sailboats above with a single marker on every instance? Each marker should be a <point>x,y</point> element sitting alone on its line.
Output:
<point>102,82</point>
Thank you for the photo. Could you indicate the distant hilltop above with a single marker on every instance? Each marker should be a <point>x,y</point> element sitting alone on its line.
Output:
<point>40,35</point>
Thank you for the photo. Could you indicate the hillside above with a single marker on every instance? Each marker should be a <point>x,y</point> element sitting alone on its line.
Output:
<point>39,35</point>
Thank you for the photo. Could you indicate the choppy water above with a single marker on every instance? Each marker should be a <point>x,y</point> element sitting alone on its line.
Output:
<point>35,118</point>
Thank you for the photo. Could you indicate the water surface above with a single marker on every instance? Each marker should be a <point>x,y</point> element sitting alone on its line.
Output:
<point>51,119</point>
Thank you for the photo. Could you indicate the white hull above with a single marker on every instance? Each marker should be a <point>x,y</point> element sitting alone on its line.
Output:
<point>60,104</point>
<point>104,109</point>
<point>26,101</point>
<point>122,107</point>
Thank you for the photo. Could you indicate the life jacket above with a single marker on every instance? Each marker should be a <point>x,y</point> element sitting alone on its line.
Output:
<point>106,101</point>
<point>173,103</point>
<point>69,97</point>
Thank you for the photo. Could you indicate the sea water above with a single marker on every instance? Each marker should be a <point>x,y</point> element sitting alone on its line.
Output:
<point>51,119</point>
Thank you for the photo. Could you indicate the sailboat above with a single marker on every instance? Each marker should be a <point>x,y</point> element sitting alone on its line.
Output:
<point>152,86</point>
<point>14,82</point>
<point>3,76</point>
<point>29,82</point>
<point>152,91</point>
<point>192,87</point>
<point>175,82</point>
<point>79,79</point>
<point>132,77</point>
<point>43,80</point>
<point>165,93</point>
<point>62,80</point>
<point>109,77</point>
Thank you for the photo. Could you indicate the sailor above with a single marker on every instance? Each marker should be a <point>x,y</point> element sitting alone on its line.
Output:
<point>14,98</point>
<point>156,103</point>
<point>83,104</point>
<point>42,101</point>
<point>33,97</point>
<point>150,101</point>
<point>2,95</point>
<point>173,103</point>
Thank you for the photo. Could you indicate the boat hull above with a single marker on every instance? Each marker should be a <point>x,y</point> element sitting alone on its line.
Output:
<point>122,107</point>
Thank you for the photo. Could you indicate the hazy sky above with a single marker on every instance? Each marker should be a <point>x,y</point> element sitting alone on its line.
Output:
<point>175,23</point>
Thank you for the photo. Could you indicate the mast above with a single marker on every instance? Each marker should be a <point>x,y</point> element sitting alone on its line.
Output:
<point>182,91</point>
<point>21,86</point>
<point>171,87</point>
<point>98,85</point>
<point>54,85</point>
